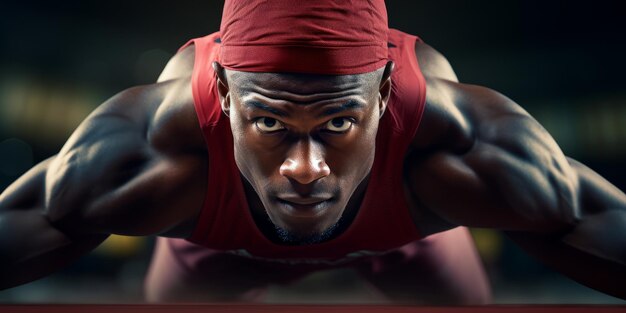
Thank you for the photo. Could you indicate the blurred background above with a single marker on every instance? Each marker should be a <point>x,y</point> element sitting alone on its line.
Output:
<point>563,61</point>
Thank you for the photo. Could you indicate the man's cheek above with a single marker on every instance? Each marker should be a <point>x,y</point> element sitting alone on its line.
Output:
<point>244,155</point>
<point>257,162</point>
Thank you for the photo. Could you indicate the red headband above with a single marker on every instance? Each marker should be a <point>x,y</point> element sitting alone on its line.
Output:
<point>304,36</point>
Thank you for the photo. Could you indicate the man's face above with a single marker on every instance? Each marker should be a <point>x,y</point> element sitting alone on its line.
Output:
<point>304,143</point>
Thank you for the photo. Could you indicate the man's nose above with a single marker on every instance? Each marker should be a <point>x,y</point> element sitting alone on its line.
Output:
<point>305,162</point>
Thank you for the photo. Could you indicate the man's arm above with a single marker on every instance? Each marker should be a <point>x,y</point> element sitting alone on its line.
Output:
<point>30,247</point>
<point>506,172</point>
<point>126,170</point>
<point>597,241</point>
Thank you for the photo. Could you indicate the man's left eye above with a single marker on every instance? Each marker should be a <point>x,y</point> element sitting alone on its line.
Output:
<point>340,124</point>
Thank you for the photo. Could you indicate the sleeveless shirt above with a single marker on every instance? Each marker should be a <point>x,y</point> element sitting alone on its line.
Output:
<point>383,221</point>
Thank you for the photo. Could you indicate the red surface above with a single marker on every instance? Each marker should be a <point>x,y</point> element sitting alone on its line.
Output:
<point>236,308</point>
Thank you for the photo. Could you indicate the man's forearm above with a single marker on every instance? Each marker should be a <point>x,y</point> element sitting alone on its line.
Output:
<point>581,261</point>
<point>30,246</point>
<point>601,230</point>
<point>593,252</point>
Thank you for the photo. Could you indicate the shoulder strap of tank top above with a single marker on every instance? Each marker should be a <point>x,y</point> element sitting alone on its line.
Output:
<point>408,96</point>
<point>203,79</point>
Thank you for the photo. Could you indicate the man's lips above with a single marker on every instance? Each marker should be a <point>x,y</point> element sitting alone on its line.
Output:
<point>304,201</point>
<point>304,207</point>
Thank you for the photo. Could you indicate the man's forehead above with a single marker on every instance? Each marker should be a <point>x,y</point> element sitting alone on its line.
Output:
<point>303,83</point>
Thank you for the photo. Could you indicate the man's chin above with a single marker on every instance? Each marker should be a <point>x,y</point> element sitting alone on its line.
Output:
<point>299,238</point>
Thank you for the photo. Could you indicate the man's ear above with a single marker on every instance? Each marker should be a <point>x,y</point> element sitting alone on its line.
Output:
<point>384,91</point>
<point>222,87</point>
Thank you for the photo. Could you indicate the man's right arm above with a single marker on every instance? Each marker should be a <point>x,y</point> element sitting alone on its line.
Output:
<point>119,173</point>
<point>30,246</point>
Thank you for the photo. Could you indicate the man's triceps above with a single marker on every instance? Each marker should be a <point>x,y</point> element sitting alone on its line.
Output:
<point>521,163</point>
<point>512,175</point>
<point>103,154</point>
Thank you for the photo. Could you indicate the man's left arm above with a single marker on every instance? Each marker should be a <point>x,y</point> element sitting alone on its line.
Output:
<point>497,167</point>
<point>597,241</point>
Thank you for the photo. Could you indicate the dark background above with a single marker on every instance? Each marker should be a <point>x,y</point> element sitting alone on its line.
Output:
<point>563,61</point>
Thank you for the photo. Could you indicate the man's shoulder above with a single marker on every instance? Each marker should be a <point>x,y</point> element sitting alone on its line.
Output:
<point>174,123</point>
<point>165,108</point>
<point>434,71</point>
<point>163,113</point>
<point>440,118</point>
<point>180,65</point>
<point>433,64</point>
<point>453,110</point>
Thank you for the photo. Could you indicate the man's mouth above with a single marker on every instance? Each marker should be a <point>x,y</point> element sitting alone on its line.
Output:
<point>303,200</point>
<point>304,206</point>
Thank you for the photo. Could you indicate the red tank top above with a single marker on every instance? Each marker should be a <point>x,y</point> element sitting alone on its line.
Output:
<point>383,221</point>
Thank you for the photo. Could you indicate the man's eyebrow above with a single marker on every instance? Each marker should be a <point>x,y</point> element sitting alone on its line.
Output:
<point>258,105</point>
<point>348,105</point>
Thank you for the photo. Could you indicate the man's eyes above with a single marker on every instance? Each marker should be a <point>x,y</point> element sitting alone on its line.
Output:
<point>335,125</point>
<point>268,124</point>
<point>339,124</point>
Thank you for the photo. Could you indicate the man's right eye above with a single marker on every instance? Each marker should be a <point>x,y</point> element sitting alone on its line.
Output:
<point>268,124</point>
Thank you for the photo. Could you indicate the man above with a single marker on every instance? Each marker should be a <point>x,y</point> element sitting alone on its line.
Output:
<point>324,140</point>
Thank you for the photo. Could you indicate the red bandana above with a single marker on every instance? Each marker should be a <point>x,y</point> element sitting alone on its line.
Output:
<point>304,36</point>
